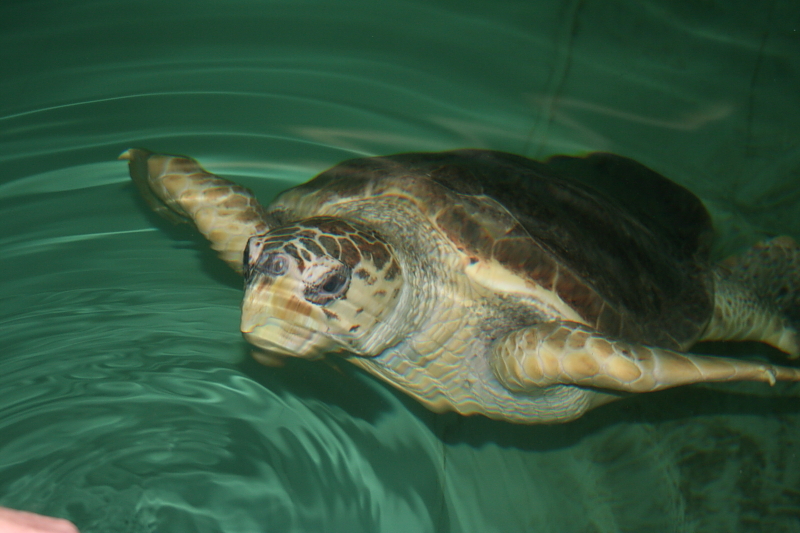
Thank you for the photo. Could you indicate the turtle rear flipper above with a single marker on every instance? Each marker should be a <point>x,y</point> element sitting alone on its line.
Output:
<point>757,296</point>
<point>179,189</point>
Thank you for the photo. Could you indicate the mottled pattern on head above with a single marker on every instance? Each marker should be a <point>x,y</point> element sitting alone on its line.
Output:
<point>345,241</point>
<point>329,276</point>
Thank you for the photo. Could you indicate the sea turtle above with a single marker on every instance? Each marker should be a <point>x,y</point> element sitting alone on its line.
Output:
<point>485,282</point>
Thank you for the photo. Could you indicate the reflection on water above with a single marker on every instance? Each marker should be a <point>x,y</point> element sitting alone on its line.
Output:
<point>128,401</point>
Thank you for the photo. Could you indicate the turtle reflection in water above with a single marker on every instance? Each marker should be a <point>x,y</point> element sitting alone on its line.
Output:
<point>485,282</point>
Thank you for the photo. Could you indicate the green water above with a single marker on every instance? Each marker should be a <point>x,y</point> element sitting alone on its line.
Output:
<point>128,401</point>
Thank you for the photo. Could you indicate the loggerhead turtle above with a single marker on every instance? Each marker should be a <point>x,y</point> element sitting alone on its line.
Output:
<point>485,282</point>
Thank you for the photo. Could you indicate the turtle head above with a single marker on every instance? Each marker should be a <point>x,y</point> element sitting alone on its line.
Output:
<point>321,284</point>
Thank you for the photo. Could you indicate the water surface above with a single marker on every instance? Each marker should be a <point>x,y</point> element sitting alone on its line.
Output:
<point>128,401</point>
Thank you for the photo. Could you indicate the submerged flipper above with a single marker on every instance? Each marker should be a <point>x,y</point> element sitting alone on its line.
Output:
<point>757,296</point>
<point>179,189</point>
<point>569,353</point>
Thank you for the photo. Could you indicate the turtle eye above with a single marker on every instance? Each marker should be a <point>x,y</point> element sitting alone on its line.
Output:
<point>331,287</point>
<point>334,284</point>
<point>275,265</point>
<point>246,262</point>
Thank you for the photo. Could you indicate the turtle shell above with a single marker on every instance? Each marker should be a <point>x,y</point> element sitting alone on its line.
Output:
<point>623,246</point>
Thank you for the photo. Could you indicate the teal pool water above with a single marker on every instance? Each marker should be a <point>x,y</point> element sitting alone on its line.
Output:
<point>128,400</point>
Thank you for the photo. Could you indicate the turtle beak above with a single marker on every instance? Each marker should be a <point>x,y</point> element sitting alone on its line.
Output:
<point>276,318</point>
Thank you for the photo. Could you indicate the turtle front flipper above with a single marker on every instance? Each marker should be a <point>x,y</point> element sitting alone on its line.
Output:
<point>179,189</point>
<point>569,353</point>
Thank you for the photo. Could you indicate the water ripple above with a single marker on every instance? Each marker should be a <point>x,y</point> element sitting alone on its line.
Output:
<point>128,400</point>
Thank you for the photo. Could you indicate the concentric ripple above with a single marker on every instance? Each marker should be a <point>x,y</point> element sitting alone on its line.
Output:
<point>128,400</point>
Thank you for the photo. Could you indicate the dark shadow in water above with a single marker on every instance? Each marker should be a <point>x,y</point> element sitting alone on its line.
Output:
<point>331,380</point>
<point>337,382</point>
<point>683,403</point>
